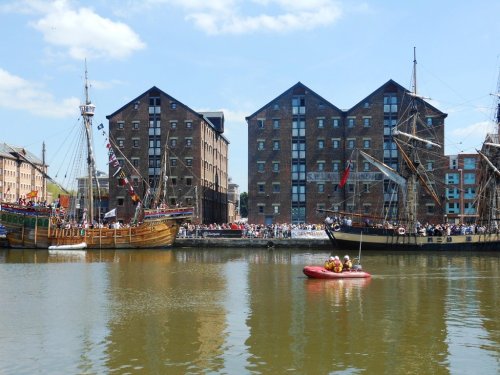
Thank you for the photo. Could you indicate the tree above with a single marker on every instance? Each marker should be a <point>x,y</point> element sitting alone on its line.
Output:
<point>244,204</point>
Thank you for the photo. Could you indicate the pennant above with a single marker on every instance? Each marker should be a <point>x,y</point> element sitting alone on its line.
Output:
<point>111,213</point>
<point>117,171</point>
<point>345,175</point>
<point>101,126</point>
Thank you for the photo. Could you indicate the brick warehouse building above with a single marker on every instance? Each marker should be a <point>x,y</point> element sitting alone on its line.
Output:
<point>299,144</point>
<point>154,127</point>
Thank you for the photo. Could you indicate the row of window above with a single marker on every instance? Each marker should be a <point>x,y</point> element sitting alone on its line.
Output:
<point>188,201</point>
<point>454,178</point>
<point>454,193</point>
<point>320,122</point>
<point>320,144</point>
<point>155,124</point>
<point>454,208</point>
<point>336,122</point>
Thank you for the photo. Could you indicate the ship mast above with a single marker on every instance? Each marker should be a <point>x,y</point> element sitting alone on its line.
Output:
<point>87,111</point>
<point>412,180</point>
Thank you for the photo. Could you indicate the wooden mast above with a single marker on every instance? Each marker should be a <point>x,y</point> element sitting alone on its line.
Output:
<point>412,180</point>
<point>87,111</point>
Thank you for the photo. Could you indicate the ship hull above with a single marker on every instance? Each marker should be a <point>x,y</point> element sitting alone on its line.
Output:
<point>32,229</point>
<point>349,238</point>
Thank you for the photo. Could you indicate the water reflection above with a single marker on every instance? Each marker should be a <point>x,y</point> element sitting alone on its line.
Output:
<point>246,311</point>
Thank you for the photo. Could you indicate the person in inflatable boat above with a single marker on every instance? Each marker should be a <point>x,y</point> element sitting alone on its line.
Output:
<point>347,265</point>
<point>329,264</point>
<point>334,264</point>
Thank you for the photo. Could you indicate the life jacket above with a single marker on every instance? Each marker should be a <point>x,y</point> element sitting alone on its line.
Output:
<point>347,265</point>
<point>337,266</point>
<point>329,265</point>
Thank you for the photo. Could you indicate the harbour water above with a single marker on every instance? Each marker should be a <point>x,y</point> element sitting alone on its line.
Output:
<point>246,311</point>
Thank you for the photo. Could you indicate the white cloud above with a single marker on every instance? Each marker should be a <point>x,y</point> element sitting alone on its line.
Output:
<point>275,16</point>
<point>18,93</point>
<point>217,17</point>
<point>466,139</point>
<point>81,32</point>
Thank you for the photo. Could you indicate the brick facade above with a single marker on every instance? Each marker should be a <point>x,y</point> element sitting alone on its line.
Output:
<point>155,130</point>
<point>299,145</point>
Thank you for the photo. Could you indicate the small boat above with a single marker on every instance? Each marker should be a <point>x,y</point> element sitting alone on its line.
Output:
<point>76,246</point>
<point>319,272</point>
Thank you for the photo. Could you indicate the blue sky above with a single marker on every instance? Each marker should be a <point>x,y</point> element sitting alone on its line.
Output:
<point>235,56</point>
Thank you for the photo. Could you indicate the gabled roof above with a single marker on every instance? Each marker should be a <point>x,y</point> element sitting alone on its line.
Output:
<point>14,152</point>
<point>154,88</point>
<point>201,115</point>
<point>400,87</point>
<point>297,85</point>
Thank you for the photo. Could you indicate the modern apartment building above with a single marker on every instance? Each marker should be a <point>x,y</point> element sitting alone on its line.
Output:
<point>21,174</point>
<point>461,181</point>
<point>300,144</point>
<point>156,133</point>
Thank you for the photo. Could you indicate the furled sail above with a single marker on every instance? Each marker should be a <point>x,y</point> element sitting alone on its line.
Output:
<point>386,170</point>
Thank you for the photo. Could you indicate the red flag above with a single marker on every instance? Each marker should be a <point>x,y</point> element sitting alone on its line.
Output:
<point>345,175</point>
<point>32,194</point>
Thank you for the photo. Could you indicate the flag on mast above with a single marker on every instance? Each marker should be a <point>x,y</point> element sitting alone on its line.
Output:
<point>345,175</point>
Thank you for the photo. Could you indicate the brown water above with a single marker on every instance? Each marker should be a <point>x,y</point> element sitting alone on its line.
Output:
<point>246,311</point>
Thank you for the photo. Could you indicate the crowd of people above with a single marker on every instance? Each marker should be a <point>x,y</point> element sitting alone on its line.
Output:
<point>283,230</point>
<point>427,229</point>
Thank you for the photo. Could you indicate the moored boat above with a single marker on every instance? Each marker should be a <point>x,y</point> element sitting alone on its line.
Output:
<point>76,246</point>
<point>413,198</point>
<point>61,227</point>
<point>319,272</point>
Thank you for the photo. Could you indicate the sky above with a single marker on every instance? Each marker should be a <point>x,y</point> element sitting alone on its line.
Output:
<point>236,56</point>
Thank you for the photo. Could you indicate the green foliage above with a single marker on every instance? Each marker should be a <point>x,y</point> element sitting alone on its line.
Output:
<point>54,190</point>
<point>244,204</point>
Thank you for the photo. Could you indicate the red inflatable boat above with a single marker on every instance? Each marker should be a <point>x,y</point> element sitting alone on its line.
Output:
<point>318,272</point>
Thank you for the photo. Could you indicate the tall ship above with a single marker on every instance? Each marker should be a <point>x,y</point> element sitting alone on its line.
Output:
<point>402,226</point>
<point>61,226</point>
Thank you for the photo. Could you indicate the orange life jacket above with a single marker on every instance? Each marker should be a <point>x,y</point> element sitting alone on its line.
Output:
<point>337,266</point>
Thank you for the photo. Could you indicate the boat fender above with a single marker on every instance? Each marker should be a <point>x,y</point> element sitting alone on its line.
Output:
<point>401,231</point>
<point>336,227</point>
<point>82,232</point>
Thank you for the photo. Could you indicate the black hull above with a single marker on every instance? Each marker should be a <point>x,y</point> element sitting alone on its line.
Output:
<point>389,240</point>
